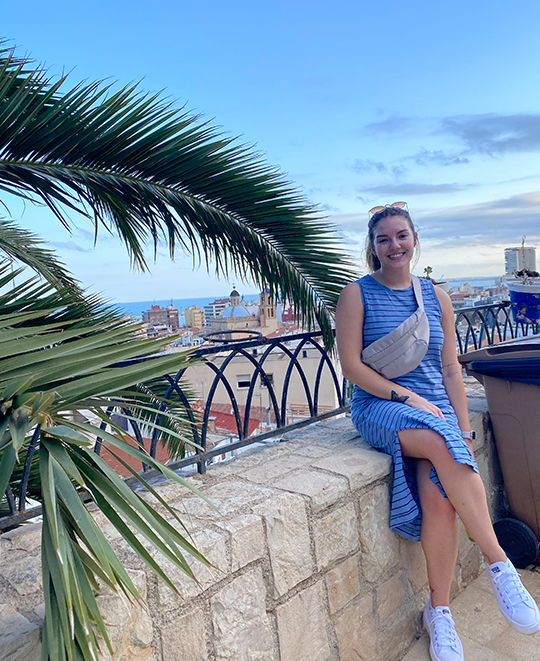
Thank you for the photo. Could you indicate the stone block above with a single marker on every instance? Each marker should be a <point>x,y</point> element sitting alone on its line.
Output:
<point>398,632</point>
<point>414,561</point>
<point>471,565</point>
<point>129,624</point>
<point>247,539</point>
<point>380,545</point>
<point>116,612</point>
<point>19,638</point>
<point>267,472</point>
<point>288,540</point>
<point>360,465</point>
<point>336,535</point>
<point>213,546</point>
<point>26,538</point>
<point>339,424</point>
<point>323,489</point>
<point>184,639</point>
<point>325,434</point>
<point>312,451</point>
<point>241,626</point>
<point>250,458</point>
<point>230,499</point>
<point>23,575</point>
<point>343,584</point>
<point>465,543</point>
<point>355,632</point>
<point>301,626</point>
<point>389,597</point>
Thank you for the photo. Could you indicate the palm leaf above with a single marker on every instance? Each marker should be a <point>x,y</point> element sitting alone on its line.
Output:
<point>53,361</point>
<point>26,247</point>
<point>134,164</point>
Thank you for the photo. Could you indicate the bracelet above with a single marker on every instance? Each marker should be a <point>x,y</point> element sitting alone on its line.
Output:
<point>468,434</point>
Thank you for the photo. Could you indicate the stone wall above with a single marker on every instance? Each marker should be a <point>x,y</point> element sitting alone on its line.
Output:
<point>306,566</point>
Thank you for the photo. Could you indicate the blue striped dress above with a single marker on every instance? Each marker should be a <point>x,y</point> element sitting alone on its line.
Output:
<point>379,420</point>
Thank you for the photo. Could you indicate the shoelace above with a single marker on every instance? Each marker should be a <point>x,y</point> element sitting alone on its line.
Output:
<point>510,585</point>
<point>444,630</point>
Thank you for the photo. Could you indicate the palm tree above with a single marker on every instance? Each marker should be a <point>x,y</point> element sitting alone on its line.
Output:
<point>133,164</point>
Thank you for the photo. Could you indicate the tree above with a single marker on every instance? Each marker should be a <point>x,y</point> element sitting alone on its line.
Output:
<point>133,164</point>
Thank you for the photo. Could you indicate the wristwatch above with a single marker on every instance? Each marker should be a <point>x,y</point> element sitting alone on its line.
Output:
<point>469,434</point>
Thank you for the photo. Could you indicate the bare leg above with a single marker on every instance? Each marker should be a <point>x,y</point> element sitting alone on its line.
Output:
<point>440,540</point>
<point>463,486</point>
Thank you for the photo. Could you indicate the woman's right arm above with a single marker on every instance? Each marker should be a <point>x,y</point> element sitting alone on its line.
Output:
<point>349,327</point>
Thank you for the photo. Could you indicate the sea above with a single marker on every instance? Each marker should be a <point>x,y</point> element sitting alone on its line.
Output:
<point>136,308</point>
<point>480,281</point>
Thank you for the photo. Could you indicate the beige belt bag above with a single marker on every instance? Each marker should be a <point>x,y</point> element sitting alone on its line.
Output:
<point>403,349</point>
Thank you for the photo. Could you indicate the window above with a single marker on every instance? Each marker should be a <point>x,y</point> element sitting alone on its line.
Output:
<point>243,381</point>
<point>254,352</point>
<point>270,378</point>
<point>304,353</point>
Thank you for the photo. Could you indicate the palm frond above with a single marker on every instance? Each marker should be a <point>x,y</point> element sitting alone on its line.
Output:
<point>134,164</point>
<point>53,362</point>
<point>27,248</point>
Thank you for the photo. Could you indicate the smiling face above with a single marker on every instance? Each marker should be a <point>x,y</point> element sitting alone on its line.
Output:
<point>393,242</point>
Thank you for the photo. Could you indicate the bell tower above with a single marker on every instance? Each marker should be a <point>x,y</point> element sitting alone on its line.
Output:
<point>267,310</point>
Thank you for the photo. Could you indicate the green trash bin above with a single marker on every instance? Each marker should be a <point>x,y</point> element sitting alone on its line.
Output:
<point>510,374</point>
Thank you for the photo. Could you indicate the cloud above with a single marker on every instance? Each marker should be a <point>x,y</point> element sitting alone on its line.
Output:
<point>362,165</point>
<point>437,157</point>
<point>493,134</point>
<point>85,234</point>
<point>392,125</point>
<point>69,245</point>
<point>489,134</point>
<point>504,220</point>
<point>329,207</point>
<point>415,189</point>
<point>350,222</point>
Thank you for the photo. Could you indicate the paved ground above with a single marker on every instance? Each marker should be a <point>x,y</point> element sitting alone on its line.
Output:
<point>484,632</point>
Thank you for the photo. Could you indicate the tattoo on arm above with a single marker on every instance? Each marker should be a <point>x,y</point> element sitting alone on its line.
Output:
<point>394,397</point>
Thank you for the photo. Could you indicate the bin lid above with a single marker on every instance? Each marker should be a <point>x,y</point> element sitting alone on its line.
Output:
<point>523,370</point>
<point>520,347</point>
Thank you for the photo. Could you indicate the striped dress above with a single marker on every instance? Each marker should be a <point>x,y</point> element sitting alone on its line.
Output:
<point>379,420</point>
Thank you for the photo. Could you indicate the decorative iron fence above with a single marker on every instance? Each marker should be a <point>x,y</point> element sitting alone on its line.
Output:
<point>291,352</point>
<point>475,327</point>
<point>488,324</point>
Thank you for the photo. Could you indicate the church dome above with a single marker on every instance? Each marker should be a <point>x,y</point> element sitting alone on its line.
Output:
<point>233,293</point>
<point>235,311</point>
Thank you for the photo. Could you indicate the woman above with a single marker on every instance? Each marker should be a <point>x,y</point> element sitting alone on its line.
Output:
<point>421,419</point>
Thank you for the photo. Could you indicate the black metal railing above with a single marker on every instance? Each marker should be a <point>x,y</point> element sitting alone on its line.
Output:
<point>292,349</point>
<point>475,327</point>
<point>489,324</point>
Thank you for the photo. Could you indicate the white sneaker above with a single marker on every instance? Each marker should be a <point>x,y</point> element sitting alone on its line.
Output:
<point>445,644</point>
<point>516,604</point>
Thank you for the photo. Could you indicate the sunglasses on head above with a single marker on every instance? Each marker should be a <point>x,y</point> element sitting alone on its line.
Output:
<point>395,205</point>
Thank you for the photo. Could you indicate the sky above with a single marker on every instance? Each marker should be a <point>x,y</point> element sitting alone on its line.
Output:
<point>359,104</point>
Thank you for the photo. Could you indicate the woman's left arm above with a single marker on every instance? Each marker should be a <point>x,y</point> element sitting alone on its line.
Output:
<point>451,369</point>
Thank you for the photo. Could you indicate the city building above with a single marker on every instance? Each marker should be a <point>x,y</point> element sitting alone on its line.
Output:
<point>158,316</point>
<point>213,310</point>
<point>516,259</point>
<point>239,315</point>
<point>194,316</point>
<point>289,316</point>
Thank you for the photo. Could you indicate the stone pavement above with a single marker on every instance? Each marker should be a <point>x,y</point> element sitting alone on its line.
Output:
<point>484,632</point>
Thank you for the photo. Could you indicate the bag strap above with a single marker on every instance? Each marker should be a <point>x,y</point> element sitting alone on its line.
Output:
<point>417,291</point>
